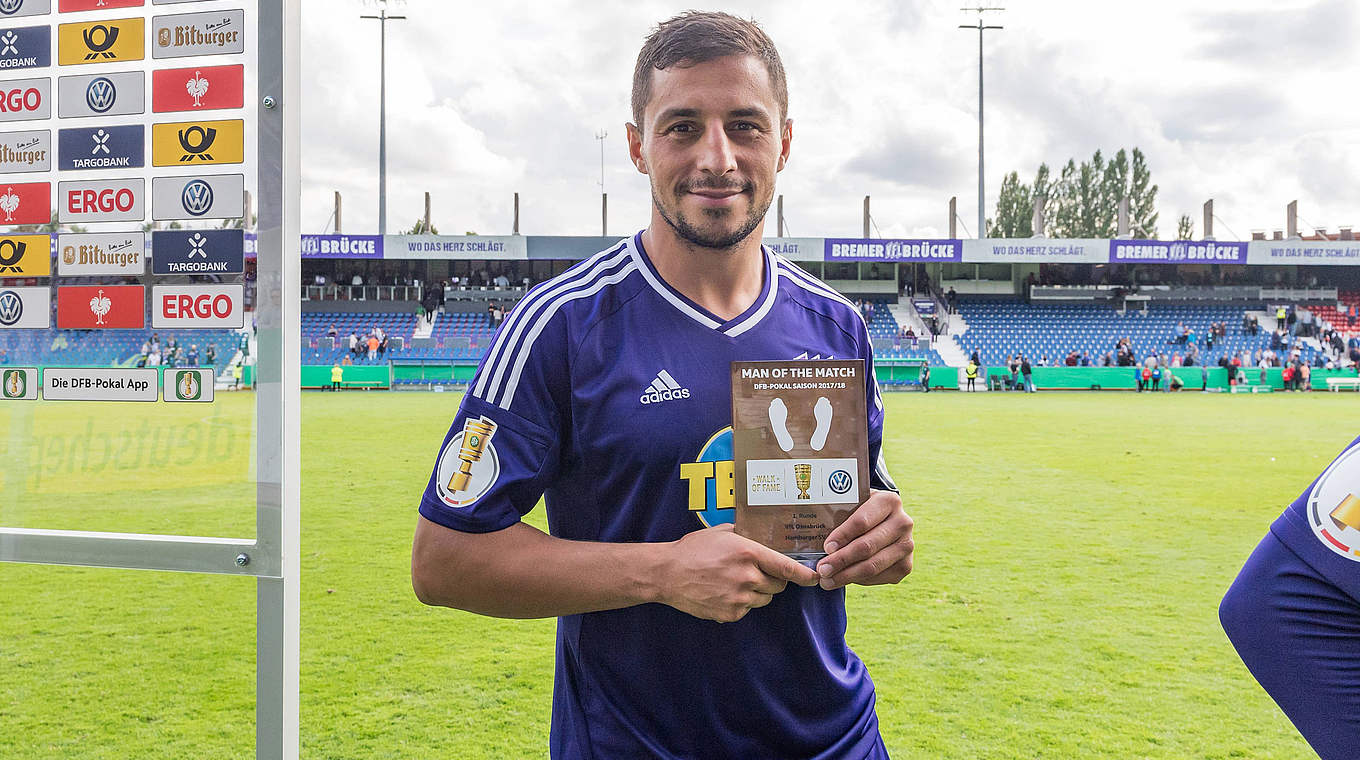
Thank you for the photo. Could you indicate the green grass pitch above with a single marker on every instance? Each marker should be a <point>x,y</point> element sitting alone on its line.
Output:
<point>1071,551</point>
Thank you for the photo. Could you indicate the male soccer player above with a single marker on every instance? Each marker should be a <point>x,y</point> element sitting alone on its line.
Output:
<point>1294,611</point>
<point>607,392</point>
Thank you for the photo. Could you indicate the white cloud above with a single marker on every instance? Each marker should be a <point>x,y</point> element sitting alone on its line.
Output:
<point>487,100</point>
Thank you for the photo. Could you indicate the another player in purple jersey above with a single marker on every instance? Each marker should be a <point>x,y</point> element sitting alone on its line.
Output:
<point>606,392</point>
<point>1294,611</point>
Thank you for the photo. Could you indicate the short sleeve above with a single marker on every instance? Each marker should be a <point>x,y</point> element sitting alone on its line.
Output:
<point>879,478</point>
<point>502,450</point>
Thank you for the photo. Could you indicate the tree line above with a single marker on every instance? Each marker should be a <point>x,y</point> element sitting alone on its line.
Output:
<point>1082,201</point>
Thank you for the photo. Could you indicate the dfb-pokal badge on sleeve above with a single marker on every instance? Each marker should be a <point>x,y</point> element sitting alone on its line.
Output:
<point>800,449</point>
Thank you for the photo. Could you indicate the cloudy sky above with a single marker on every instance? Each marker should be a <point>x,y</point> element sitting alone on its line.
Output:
<point>1249,102</point>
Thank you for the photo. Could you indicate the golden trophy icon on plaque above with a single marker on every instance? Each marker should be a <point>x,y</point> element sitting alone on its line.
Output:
<point>476,434</point>
<point>802,477</point>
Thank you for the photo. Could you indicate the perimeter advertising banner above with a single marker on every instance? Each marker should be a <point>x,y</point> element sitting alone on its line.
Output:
<point>890,250</point>
<point>797,249</point>
<point>1177,252</point>
<point>342,247</point>
<point>1035,251</point>
<point>510,247</point>
<point>1333,252</point>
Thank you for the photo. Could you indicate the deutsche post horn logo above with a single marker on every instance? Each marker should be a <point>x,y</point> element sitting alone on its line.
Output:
<point>11,253</point>
<point>101,48</point>
<point>188,386</point>
<point>195,141</point>
<point>100,94</point>
<point>197,197</point>
<point>16,385</point>
<point>11,308</point>
<point>10,7</point>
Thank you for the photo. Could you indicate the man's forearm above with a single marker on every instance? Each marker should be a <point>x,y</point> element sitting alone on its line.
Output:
<point>521,572</point>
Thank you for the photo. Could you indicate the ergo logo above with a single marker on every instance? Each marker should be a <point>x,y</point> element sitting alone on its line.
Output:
<point>18,101</point>
<point>99,201</point>
<point>206,306</point>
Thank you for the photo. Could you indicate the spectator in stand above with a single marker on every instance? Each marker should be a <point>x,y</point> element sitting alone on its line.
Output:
<point>346,361</point>
<point>211,354</point>
<point>382,347</point>
<point>491,315</point>
<point>354,343</point>
<point>502,281</point>
<point>1085,359</point>
<point>372,346</point>
<point>331,331</point>
<point>1178,334</point>
<point>953,299</point>
<point>192,358</point>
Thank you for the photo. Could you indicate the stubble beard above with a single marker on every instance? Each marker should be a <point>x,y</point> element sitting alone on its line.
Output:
<point>718,241</point>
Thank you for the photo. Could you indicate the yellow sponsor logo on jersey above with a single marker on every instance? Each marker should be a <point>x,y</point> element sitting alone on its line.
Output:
<point>196,143</point>
<point>117,39</point>
<point>25,256</point>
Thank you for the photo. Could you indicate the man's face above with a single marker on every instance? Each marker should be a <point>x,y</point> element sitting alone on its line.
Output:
<point>711,142</point>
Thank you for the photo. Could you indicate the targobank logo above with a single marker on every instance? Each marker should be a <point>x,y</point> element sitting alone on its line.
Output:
<point>663,388</point>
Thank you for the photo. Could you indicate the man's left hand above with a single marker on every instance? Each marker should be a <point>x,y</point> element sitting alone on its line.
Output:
<point>873,546</point>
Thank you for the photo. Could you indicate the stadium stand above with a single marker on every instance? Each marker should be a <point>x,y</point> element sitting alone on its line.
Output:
<point>999,328</point>
<point>316,327</point>
<point>112,348</point>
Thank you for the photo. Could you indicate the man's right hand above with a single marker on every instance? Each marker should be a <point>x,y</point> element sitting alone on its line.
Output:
<point>717,575</point>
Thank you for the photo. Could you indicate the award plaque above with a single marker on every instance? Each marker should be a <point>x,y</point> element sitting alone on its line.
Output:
<point>800,451</point>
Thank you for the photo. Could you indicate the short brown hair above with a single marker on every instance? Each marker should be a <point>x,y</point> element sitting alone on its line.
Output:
<point>696,37</point>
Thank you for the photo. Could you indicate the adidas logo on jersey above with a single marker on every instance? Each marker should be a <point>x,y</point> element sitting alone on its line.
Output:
<point>663,388</point>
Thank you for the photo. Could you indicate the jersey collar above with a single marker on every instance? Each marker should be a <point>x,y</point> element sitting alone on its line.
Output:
<point>732,328</point>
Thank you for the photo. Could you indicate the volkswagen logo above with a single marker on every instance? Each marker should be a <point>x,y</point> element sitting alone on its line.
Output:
<point>10,7</point>
<point>197,197</point>
<point>840,481</point>
<point>11,308</point>
<point>101,93</point>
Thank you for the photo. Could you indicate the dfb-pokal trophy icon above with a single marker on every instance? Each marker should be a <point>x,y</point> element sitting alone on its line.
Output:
<point>800,451</point>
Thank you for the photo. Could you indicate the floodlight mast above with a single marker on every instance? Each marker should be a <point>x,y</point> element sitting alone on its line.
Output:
<point>982,187</point>
<point>382,18</point>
